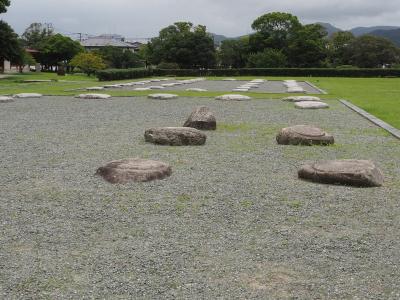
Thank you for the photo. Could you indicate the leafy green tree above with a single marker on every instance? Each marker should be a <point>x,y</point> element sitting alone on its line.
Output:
<point>234,53</point>
<point>118,58</point>
<point>302,46</point>
<point>273,30</point>
<point>10,48</point>
<point>369,51</point>
<point>58,49</point>
<point>307,47</point>
<point>35,34</point>
<point>184,44</point>
<point>3,5</point>
<point>338,48</point>
<point>23,59</point>
<point>88,62</point>
<point>269,58</point>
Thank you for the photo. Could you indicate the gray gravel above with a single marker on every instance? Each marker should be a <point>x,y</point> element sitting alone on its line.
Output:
<point>232,222</point>
<point>270,86</point>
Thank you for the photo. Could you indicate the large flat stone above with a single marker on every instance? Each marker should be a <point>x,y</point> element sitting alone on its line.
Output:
<point>93,96</point>
<point>5,99</point>
<point>162,96</point>
<point>175,136</point>
<point>295,89</point>
<point>304,135</point>
<point>95,88</point>
<point>233,97</point>
<point>301,98</point>
<point>28,95</point>
<point>134,170</point>
<point>311,105</point>
<point>361,173</point>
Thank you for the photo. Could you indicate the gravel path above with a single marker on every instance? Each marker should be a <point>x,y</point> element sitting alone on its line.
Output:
<point>270,86</point>
<point>232,222</point>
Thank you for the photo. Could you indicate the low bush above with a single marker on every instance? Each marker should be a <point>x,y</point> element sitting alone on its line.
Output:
<point>169,66</point>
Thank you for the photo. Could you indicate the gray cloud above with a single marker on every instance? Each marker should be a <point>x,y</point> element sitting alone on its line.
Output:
<point>144,18</point>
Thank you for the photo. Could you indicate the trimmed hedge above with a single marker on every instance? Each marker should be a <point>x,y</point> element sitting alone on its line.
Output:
<point>304,72</point>
<point>119,74</point>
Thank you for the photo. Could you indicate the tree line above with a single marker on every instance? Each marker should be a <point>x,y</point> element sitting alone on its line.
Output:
<point>279,41</point>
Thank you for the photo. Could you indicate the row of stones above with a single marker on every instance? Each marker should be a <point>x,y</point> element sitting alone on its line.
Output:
<point>153,87</point>
<point>305,102</point>
<point>349,172</point>
<point>249,85</point>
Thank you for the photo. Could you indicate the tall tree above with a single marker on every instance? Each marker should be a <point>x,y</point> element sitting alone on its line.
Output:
<point>269,58</point>
<point>3,5</point>
<point>234,53</point>
<point>307,46</point>
<point>57,49</point>
<point>369,51</point>
<point>10,48</point>
<point>182,43</point>
<point>120,58</point>
<point>338,47</point>
<point>273,30</point>
<point>35,34</point>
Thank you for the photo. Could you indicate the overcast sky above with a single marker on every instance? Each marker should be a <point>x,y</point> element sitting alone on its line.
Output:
<point>144,18</point>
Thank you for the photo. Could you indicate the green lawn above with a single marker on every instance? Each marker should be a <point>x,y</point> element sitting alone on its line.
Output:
<point>378,96</point>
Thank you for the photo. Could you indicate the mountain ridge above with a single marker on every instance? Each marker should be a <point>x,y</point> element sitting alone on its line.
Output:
<point>390,32</point>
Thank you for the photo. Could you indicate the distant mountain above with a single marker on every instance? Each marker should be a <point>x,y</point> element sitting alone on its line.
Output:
<point>393,35</point>
<point>219,38</point>
<point>329,28</point>
<point>367,30</point>
<point>390,32</point>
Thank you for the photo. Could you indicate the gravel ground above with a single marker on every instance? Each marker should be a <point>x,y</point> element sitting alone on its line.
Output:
<point>232,222</point>
<point>271,86</point>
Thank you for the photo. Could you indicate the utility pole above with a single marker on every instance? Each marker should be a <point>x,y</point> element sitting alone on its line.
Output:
<point>80,36</point>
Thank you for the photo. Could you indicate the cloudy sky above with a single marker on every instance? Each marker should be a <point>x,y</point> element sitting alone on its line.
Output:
<point>144,18</point>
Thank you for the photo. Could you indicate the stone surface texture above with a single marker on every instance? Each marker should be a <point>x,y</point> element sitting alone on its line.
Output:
<point>162,96</point>
<point>201,118</point>
<point>5,99</point>
<point>134,170</point>
<point>233,97</point>
<point>28,95</point>
<point>93,96</point>
<point>361,173</point>
<point>301,98</point>
<point>311,105</point>
<point>175,136</point>
<point>304,135</point>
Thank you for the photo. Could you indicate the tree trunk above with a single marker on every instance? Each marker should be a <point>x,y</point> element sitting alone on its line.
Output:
<point>2,65</point>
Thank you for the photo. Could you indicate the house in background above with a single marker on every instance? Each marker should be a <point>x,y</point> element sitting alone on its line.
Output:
<point>115,40</point>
